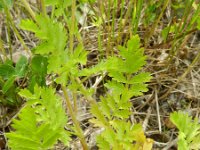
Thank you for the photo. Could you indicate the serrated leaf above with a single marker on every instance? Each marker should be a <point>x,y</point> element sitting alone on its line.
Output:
<point>53,40</point>
<point>96,123</point>
<point>188,129</point>
<point>79,55</point>
<point>26,94</point>
<point>93,70</point>
<point>28,24</point>
<point>140,78</point>
<point>65,138</point>
<point>109,136</point>
<point>105,108</point>
<point>41,121</point>
<point>195,144</point>
<point>102,144</point>
<point>118,76</point>
<point>116,87</point>
<point>138,89</point>
<point>96,112</point>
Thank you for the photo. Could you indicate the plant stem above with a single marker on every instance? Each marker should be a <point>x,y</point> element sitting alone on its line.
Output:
<point>2,49</point>
<point>92,102</point>
<point>28,8</point>
<point>78,131</point>
<point>16,31</point>
<point>43,7</point>
<point>73,19</point>
<point>149,34</point>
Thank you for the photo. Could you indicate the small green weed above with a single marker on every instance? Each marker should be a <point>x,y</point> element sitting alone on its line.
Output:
<point>189,131</point>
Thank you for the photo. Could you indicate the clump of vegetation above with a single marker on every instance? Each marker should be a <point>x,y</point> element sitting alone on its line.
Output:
<point>61,72</point>
<point>189,136</point>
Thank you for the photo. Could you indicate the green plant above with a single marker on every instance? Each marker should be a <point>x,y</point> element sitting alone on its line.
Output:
<point>41,121</point>
<point>9,76</point>
<point>115,106</point>
<point>189,131</point>
<point>53,56</point>
<point>58,58</point>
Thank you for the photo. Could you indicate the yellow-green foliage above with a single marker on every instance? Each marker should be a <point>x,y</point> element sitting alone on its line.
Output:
<point>41,122</point>
<point>127,81</point>
<point>189,131</point>
<point>112,113</point>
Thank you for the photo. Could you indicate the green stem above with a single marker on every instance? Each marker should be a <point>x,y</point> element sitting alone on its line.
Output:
<point>79,131</point>
<point>92,102</point>
<point>2,49</point>
<point>149,34</point>
<point>28,8</point>
<point>16,31</point>
<point>43,7</point>
<point>73,19</point>
<point>8,33</point>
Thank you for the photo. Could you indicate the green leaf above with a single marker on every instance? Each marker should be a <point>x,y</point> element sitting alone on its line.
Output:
<point>6,71</point>
<point>189,130</point>
<point>93,70</point>
<point>102,144</point>
<point>96,112</point>
<point>5,4</point>
<point>8,84</point>
<point>165,33</point>
<point>28,24</point>
<point>116,87</point>
<point>198,23</point>
<point>65,138</point>
<point>182,143</point>
<point>195,142</point>
<point>126,82</point>
<point>26,94</point>
<point>53,40</point>
<point>39,64</point>
<point>21,67</point>
<point>41,122</point>
<point>138,89</point>
<point>140,78</point>
<point>51,2</point>
<point>79,55</point>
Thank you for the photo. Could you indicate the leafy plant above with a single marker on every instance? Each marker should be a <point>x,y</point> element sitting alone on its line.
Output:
<point>115,107</point>
<point>9,74</point>
<point>189,131</point>
<point>53,56</point>
<point>41,122</point>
